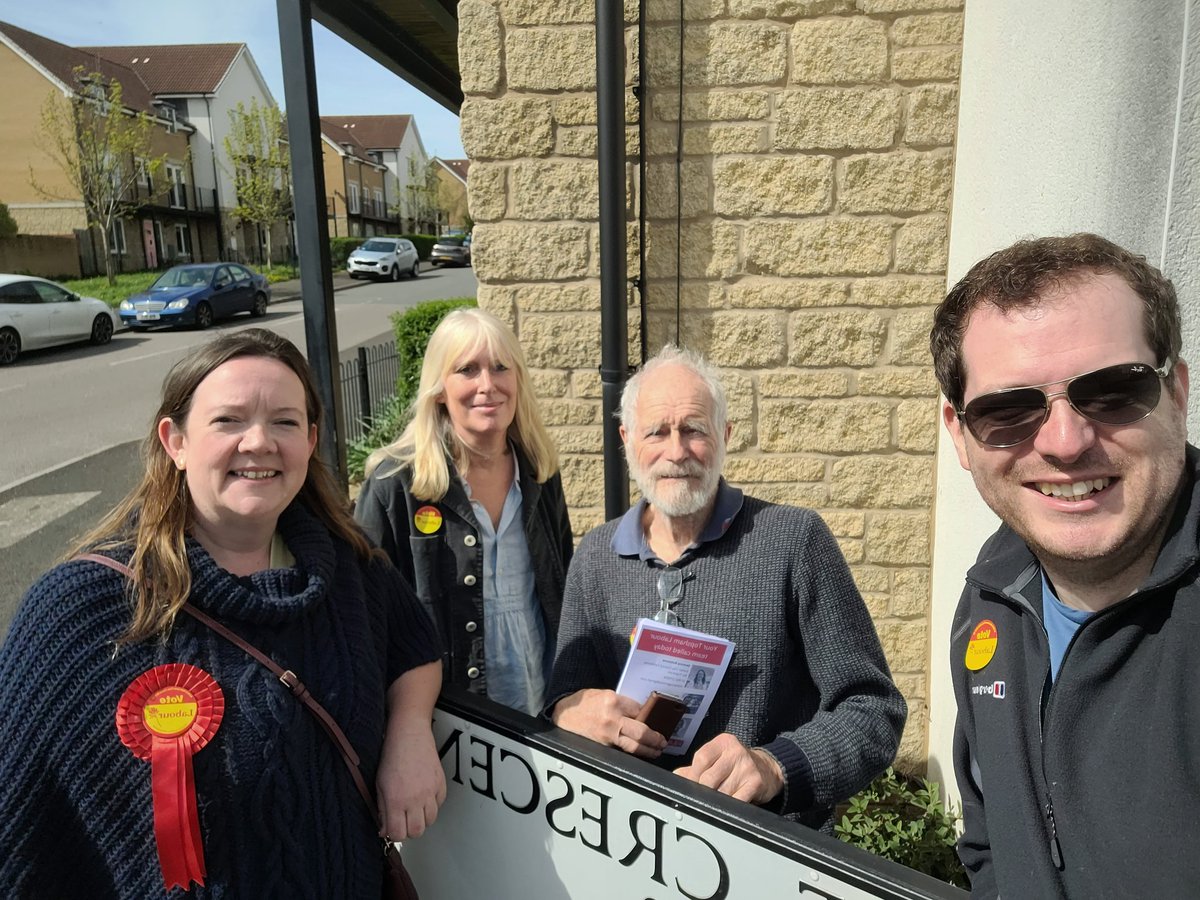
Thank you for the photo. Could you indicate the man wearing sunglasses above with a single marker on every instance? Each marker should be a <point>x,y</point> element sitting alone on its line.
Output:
<point>807,713</point>
<point>1073,649</point>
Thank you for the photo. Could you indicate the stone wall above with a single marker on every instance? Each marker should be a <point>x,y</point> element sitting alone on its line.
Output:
<point>810,248</point>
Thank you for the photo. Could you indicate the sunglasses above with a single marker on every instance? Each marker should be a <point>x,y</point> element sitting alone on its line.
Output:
<point>1114,395</point>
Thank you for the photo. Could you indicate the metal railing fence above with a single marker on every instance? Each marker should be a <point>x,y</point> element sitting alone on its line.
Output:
<point>368,381</point>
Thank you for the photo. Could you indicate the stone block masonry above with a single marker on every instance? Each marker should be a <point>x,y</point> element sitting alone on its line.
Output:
<point>815,145</point>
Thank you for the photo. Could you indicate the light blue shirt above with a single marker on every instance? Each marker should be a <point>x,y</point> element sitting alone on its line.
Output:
<point>514,642</point>
<point>1061,622</point>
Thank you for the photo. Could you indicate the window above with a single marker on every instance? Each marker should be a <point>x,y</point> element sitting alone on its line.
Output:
<point>239,274</point>
<point>19,292</point>
<point>145,179</point>
<point>183,241</point>
<point>224,278</point>
<point>50,293</point>
<point>167,111</point>
<point>177,192</point>
<point>160,243</point>
<point>353,204</point>
<point>116,238</point>
<point>379,210</point>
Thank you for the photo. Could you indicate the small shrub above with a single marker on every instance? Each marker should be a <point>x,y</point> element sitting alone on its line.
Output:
<point>280,272</point>
<point>8,225</point>
<point>385,428</point>
<point>901,818</point>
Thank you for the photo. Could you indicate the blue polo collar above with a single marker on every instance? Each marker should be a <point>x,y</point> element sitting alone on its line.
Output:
<point>630,540</point>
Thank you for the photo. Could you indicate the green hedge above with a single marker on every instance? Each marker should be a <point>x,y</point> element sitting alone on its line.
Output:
<point>340,248</point>
<point>412,329</point>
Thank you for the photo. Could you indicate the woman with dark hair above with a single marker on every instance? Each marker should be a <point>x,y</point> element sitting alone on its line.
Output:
<point>469,504</point>
<point>144,749</point>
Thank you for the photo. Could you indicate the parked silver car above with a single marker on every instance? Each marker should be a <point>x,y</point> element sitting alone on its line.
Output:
<point>452,250</point>
<point>36,313</point>
<point>383,257</point>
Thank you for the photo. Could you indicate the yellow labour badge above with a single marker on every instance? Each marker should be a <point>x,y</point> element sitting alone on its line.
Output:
<point>428,519</point>
<point>982,645</point>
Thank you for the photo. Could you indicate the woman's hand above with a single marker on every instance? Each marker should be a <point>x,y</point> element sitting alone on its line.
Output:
<point>410,783</point>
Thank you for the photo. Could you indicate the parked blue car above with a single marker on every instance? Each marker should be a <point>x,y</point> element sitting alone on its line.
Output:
<point>197,294</point>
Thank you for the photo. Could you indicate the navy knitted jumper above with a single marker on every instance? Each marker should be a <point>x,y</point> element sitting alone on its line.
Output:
<point>279,815</point>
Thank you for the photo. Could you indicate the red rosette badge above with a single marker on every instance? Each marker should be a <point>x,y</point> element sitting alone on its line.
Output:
<point>166,715</point>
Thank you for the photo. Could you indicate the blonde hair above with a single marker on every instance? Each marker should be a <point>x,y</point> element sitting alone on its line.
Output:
<point>430,437</point>
<point>153,519</point>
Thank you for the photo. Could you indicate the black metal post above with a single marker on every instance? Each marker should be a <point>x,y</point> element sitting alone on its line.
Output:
<point>364,387</point>
<point>308,189</point>
<point>614,358</point>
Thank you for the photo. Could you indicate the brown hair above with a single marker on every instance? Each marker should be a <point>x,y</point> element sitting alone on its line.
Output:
<point>1020,276</point>
<point>153,519</point>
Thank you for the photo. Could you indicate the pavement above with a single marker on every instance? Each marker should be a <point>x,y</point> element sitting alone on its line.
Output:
<point>290,290</point>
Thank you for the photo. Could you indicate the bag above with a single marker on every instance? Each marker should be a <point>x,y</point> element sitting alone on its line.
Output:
<point>397,885</point>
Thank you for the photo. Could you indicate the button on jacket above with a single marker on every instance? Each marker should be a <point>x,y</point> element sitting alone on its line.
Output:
<point>445,566</point>
<point>1087,787</point>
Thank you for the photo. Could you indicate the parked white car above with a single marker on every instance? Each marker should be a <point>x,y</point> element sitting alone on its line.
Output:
<point>36,313</point>
<point>384,258</point>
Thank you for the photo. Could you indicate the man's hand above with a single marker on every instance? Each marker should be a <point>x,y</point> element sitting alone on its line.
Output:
<point>608,718</point>
<point>727,765</point>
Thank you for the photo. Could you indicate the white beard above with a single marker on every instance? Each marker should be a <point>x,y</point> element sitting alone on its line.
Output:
<point>679,500</point>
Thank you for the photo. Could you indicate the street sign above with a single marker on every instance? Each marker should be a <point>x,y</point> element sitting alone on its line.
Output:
<point>534,812</point>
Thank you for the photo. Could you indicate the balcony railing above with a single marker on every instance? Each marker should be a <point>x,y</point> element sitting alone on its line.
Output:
<point>181,197</point>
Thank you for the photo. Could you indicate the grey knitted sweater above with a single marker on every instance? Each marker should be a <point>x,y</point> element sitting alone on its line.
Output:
<point>808,681</point>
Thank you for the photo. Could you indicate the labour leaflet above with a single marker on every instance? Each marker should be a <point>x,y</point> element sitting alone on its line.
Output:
<point>677,661</point>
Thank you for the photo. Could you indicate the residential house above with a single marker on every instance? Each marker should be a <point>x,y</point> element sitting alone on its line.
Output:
<point>205,83</point>
<point>395,142</point>
<point>174,220</point>
<point>355,185</point>
<point>452,194</point>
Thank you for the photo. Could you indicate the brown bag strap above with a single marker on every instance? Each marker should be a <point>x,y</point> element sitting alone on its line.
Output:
<point>286,676</point>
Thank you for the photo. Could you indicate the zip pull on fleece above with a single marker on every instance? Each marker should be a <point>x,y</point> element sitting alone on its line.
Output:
<point>1055,851</point>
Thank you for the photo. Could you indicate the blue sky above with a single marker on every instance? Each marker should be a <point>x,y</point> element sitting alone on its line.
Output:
<point>348,82</point>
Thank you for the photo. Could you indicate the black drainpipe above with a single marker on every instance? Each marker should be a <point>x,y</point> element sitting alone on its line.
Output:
<point>212,132</point>
<point>610,100</point>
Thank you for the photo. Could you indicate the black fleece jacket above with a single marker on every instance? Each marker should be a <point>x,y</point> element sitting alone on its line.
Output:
<point>1088,787</point>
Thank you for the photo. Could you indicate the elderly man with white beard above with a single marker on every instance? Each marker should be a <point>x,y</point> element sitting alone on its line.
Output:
<point>807,713</point>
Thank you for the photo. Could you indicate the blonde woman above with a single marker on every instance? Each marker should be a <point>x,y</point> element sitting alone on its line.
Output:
<point>468,503</point>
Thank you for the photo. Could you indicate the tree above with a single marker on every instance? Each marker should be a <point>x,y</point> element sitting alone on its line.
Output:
<point>8,226</point>
<point>102,148</point>
<point>257,148</point>
<point>423,184</point>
